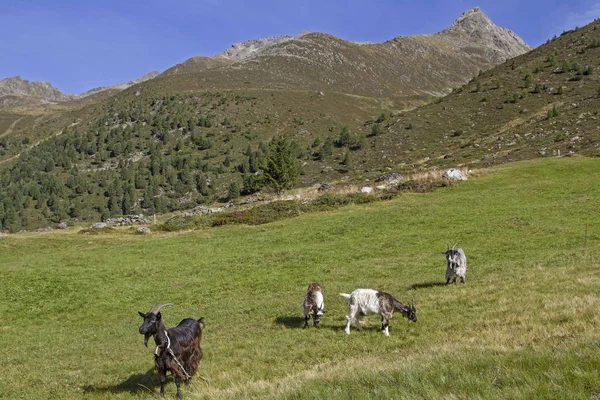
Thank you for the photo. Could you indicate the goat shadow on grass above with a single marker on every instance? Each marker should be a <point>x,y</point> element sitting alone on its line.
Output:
<point>426,285</point>
<point>135,384</point>
<point>291,322</point>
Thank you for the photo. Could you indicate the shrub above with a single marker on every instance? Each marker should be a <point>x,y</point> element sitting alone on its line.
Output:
<point>344,138</point>
<point>528,79</point>
<point>553,112</point>
<point>376,130</point>
<point>177,223</point>
<point>258,215</point>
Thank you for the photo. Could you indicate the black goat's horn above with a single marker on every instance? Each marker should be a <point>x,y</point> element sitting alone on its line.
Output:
<point>152,308</point>
<point>157,309</point>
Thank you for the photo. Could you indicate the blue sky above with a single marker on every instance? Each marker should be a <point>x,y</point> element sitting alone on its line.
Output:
<point>77,45</point>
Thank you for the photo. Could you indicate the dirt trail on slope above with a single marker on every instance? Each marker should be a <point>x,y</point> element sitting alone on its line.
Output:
<point>11,127</point>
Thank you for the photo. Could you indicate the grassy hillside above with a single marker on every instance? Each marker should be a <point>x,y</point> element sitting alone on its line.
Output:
<point>525,325</point>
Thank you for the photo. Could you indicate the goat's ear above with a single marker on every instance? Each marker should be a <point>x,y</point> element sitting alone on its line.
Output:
<point>142,314</point>
<point>158,316</point>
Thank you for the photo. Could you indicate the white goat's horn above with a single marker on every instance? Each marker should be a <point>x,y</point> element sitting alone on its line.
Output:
<point>157,309</point>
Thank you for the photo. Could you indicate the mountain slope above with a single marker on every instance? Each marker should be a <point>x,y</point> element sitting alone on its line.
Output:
<point>543,103</point>
<point>197,64</point>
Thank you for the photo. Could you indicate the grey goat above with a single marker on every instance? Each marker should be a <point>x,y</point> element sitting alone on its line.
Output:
<point>457,264</point>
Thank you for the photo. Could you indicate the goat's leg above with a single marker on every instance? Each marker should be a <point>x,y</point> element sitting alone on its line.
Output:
<point>350,317</point>
<point>358,326</point>
<point>178,384</point>
<point>306,318</point>
<point>163,380</point>
<point>386,326</point>
<point>462,279</point>
<point>188,381</point>
<point>385,323</point>
<point>454,281</point>
<point>348,322</point>
<point>447,281</point>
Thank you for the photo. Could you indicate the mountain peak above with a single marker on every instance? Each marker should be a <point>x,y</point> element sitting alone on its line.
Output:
<point>472,20</point>
<point>476,25</point>
<point>16,78</point>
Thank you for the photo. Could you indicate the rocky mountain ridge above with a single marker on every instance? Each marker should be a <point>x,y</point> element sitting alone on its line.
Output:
<point>418,66</point>
<point>407,69</point>
<point>242,50</point>
<point>237,52</point>
<point>121,86</point>
<point>17,91</point>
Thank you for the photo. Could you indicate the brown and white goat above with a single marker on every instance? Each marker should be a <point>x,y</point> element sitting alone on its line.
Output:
<point>313,303</point>
<point>368,301</point>
<point>177,349</point>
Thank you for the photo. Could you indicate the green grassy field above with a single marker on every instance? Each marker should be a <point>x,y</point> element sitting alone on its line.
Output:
<point>525,325</point>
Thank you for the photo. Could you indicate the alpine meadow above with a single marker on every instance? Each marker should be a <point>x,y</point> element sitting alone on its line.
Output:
<point>223,187</point>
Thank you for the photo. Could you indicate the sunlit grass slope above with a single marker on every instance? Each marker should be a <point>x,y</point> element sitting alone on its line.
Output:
<point>525,325</point>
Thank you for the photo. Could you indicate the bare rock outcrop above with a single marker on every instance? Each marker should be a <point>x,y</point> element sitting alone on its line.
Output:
<point>242,50</point>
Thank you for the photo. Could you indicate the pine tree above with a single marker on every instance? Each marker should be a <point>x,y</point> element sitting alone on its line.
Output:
<point>233,191</point>
<point>128,200</point>
<point>281,169</point>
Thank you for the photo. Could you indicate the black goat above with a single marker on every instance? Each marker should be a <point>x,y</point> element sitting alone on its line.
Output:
<point>177,349</point>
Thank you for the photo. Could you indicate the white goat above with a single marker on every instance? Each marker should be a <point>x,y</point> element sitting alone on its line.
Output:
<point>313,303</point>
<point>457,265</point>
<point>369,301</point>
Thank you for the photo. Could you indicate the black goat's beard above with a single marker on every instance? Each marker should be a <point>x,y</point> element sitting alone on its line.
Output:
<point>146,337</point>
